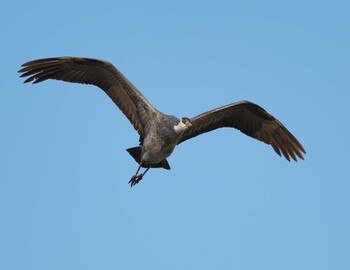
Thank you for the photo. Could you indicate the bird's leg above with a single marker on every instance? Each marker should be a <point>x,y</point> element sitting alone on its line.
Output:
<point>135,178</point>
<point>141,175</point>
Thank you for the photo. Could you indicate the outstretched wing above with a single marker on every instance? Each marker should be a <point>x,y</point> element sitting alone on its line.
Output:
<point>97,72</point>
<point>253,121</point>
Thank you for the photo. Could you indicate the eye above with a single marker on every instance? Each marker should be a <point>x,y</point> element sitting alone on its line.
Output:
<point>185,120</point>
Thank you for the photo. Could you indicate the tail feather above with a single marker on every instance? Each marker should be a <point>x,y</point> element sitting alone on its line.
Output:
<point>164,164</point>
<point>135,152</point>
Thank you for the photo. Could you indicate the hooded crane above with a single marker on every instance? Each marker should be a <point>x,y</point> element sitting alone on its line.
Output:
<point>160,133</point>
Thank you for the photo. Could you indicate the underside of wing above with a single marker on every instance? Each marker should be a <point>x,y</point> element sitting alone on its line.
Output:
<point>253,121</point>
<point>96,72</point>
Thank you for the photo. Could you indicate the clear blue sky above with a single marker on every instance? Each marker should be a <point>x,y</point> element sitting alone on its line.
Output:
<point>229,201</point>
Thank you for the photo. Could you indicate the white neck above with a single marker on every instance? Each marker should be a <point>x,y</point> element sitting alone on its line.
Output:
<point>180,127</point>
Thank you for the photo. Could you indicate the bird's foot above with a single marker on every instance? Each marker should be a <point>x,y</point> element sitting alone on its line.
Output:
<point>135,179</point>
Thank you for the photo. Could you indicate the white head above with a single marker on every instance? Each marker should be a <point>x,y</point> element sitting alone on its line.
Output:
<point>184,124</point>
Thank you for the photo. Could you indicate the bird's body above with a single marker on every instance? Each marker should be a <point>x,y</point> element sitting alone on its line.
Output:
<point>161,133</point>
<point>160,139</point>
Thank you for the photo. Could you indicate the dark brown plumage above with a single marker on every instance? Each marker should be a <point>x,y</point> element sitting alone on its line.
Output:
<point>160,133</point>
<point>253,121</point>
<point>91,71</point>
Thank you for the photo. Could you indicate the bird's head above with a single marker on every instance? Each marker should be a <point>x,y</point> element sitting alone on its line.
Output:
<point>183,124</point>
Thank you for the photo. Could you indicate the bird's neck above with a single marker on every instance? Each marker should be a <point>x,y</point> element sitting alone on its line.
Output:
<point>180,127</point>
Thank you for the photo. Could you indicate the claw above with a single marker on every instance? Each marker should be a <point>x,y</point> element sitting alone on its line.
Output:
<point>135,180</point>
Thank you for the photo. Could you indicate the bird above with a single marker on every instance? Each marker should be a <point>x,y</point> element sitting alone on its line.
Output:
<point>161,133</point>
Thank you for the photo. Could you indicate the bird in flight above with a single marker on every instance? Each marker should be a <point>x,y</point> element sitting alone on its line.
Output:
<point>161,133</point>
